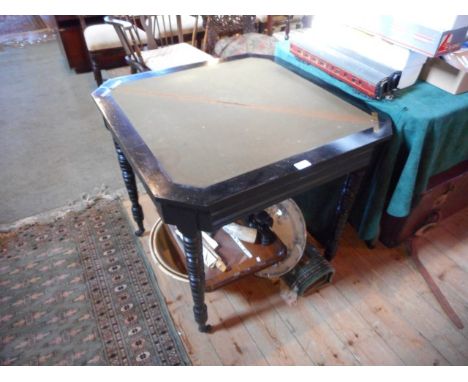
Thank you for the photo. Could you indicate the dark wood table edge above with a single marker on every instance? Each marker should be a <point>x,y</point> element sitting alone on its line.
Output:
<point>216,199</point>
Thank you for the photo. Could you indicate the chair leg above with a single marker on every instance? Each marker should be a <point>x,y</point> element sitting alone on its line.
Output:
<point>96,68</point>
<point>97,74</point>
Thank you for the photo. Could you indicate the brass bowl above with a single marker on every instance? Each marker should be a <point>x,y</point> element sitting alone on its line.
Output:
<point>288,224</point>
<point>163,252</point>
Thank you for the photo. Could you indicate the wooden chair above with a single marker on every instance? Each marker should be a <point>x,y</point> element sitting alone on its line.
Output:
<point>104,47</point>
<point>164,45</point>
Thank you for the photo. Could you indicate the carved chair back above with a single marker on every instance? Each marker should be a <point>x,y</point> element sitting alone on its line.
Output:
<point>168,30</point>
<point>130,36</point>
<point>162,30</point>
<point>158,30</point>
<point>218,26</point>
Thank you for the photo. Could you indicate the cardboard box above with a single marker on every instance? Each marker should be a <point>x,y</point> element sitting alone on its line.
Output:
<point>445,76</point>
<point>423,34</point>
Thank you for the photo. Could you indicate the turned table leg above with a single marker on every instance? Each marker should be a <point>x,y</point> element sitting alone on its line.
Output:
<point>196,272</point>
<point>130,183</point>
<point>347,195</point>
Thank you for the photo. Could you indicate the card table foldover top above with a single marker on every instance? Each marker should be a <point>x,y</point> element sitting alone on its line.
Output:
<point>216,141</point>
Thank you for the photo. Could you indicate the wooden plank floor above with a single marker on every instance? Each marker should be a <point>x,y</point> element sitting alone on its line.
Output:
<point>377,311</point>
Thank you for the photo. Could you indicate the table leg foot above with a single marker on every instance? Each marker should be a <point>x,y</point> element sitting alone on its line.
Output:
<point>205,328</point>
<point>139,232</point>
<point>370,243</point>
<point>130,183</point>
<point>196,272</point>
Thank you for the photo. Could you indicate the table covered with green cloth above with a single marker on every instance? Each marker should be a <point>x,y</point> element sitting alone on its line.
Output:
<point>430,136</point>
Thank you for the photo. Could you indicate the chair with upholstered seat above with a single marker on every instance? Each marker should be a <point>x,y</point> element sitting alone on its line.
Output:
<point>231,35</point>
<point>165,47</point>
<point>104,47</point>
<point>221,27</point>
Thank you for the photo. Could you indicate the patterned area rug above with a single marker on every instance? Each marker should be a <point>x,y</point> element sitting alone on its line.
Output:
<point>78,292</point>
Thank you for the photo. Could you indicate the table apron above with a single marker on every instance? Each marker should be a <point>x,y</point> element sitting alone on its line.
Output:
<point>263,196</point>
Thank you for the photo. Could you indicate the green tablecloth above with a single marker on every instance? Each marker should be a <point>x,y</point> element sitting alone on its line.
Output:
<point>430,136</point>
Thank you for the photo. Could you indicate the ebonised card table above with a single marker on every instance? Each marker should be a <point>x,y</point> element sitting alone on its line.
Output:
<point>214,142</point>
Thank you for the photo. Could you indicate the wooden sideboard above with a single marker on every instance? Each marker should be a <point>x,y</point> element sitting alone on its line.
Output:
<point>445,195</point>
<point>71,40</point>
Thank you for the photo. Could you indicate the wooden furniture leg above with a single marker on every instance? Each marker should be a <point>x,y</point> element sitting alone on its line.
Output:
<point>412,251</point>
<point>348,194</point>
<point>194,257</point>
<point>269,25</point>
<point>130,183</point>
<point>96,70</point>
